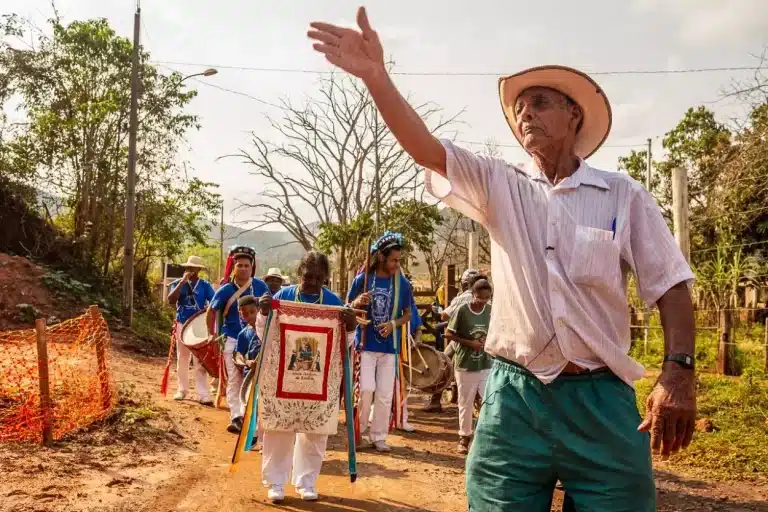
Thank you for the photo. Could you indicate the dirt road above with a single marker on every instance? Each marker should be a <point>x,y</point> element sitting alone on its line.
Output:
<point>181,464</point>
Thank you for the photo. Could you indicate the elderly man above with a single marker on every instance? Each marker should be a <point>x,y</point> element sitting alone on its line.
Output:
<point>559,399</point>
<point>274,279</point>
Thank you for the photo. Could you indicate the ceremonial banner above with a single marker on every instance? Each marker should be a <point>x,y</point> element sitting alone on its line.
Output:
<point>302,369</point>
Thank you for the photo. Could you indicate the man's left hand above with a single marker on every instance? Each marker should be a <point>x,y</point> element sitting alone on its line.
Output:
<point>670,410</point>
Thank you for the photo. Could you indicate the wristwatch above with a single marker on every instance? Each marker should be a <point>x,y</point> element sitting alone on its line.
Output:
<point>684,360</point>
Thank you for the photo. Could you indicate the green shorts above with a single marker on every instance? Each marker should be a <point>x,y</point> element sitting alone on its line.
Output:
<point>580,429</point>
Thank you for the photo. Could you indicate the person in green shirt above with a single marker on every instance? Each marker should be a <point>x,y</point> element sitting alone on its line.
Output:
<point>468,328</point>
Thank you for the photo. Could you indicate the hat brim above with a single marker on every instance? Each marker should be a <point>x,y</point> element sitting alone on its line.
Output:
<point>578,86</point>
<point>192,265</point>
<point>265,277</point>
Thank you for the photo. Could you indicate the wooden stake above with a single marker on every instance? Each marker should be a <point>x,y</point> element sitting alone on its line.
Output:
<point>101,359</point>
<point>45,391</point>
<point>766,343</point>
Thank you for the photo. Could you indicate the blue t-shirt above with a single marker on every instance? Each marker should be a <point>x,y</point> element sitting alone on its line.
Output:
<point>233,324</point>
<point>248,343</point>
<point>289,293</point>
<point>380,309</point>
<point>193,298</point>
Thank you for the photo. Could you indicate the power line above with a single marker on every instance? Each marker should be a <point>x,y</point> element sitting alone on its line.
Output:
<point>730,246</point>
<point>466,73</point>
<point>727,215</point>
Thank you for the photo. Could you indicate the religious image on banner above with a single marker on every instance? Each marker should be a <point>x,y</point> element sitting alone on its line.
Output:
<point>302,369</point>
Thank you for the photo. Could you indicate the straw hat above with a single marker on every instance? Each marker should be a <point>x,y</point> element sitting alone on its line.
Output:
<point>194,262</point>
<point>273,272</point>
<point>573,83</point>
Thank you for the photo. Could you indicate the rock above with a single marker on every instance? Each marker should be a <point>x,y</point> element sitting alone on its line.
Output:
<point>705,425</point>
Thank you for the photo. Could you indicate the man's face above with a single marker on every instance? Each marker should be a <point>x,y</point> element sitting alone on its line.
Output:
<point>391,262</point>
<point>274,284</point>
<point>194,273</point>
<point>249,314</point>
<point>243,268</point>
<point>312,279</point>
<point>546,119</point>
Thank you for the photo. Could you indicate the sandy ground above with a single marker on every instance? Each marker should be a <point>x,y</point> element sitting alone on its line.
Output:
<point>180,462</point>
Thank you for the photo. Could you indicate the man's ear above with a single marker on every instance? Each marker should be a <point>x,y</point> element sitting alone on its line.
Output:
<point>577,116</point>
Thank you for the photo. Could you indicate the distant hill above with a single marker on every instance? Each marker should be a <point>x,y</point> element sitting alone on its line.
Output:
<point>275,248</point>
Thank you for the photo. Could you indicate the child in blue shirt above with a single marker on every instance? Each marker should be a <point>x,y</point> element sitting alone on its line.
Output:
<point>248,342</point>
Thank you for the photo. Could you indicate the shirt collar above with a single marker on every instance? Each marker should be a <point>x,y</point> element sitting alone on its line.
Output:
<point>584,175</point>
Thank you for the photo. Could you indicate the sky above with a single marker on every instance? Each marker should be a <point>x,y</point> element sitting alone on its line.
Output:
<point>498,37</point>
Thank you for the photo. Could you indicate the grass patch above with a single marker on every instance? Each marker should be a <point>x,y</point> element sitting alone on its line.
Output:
<point>738,408</point>
<point>152,327</point>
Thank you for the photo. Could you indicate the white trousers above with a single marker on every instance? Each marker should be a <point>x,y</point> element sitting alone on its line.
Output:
<point>377,374</point>
<point>183,357</point>
<point>469,384</point>
<point>234,379</point>
<point>283,450</point>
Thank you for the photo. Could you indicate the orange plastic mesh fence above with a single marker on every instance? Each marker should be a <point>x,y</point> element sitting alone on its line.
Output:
<point>80,382</point>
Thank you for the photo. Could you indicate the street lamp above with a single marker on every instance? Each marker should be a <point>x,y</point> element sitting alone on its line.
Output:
<point>130,200</point>
<point>207,72</point>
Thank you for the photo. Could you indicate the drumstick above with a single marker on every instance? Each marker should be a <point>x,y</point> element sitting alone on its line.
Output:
<point>414,369</point>
<point>426,366</point>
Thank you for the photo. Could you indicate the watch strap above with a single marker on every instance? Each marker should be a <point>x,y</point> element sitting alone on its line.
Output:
<point>685,360</point>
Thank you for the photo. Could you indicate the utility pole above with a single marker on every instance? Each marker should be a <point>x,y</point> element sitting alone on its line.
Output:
<point>473,248</point>
<point>648,167</point>
<point>221,243</point>
<point>130,200</point>
<point>680,210</point>
<point>646,309</point>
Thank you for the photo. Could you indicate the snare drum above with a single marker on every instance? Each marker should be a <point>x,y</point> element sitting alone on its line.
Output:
<point>431,372</point>
<point>194,335</point>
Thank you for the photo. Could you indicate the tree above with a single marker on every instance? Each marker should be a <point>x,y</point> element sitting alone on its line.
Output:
<point>74,87</point>
<point>416,220</point>
<point>336,163</point>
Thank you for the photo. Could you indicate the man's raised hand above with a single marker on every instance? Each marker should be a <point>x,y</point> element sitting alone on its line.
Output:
<point>356,52</point>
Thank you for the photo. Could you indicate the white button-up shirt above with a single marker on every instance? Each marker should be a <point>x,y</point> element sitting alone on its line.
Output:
<point>561,255</point>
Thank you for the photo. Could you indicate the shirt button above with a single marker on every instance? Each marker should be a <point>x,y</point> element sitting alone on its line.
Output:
<point>560,322</point>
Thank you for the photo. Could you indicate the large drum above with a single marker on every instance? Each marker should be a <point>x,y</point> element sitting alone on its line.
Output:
<point>431,371</point>
<point>194,334</point>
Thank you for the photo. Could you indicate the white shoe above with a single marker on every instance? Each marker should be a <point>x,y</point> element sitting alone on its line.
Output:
<point>308,494</point>
<point>276,493</point>
<point>382,446</point>
<point>407,427</point>
<point>180,395</point>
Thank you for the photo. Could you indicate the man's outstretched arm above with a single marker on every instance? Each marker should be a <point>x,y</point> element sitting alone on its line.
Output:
<point>360,53</point>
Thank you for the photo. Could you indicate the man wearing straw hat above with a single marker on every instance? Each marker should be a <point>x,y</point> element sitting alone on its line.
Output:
<point>190,294</point>
<point>274,279</point>
<point>559,401</point>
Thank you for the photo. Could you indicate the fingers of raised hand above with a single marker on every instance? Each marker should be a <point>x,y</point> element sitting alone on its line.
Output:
<point>324,37</point>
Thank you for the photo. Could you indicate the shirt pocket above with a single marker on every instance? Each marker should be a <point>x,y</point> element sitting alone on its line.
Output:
<point>595,258</point>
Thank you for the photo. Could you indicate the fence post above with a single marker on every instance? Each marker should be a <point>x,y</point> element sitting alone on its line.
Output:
<point>765,332</point>
<point>101,360</point>
<point>726,351</point>
<point>450,284</point>
<point>45,390</point>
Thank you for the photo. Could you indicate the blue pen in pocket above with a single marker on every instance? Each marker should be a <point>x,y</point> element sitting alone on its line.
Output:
<point>613,228</point>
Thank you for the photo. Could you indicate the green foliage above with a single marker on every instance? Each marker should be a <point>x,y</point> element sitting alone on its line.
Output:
<point>152,325</point>
<point>416,220</point>
<point>64,285</point>
<point>738,446</point>
<point>74,90</point>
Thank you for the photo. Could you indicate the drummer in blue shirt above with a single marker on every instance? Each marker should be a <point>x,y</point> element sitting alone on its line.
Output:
<point>389,296</point>
<point>189,295</point>
<point>242,283</point>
